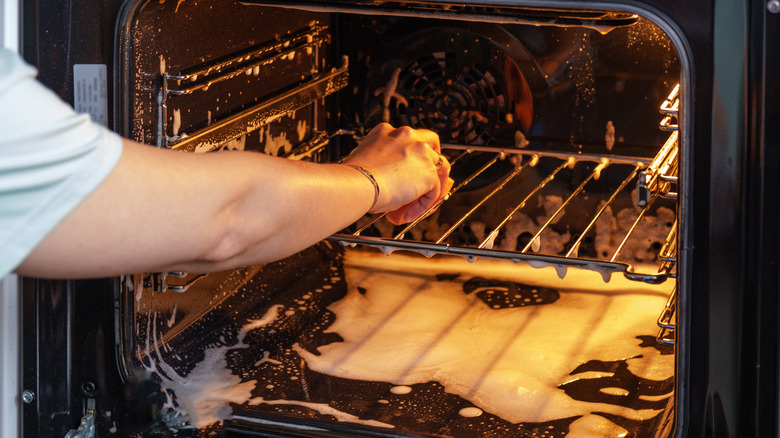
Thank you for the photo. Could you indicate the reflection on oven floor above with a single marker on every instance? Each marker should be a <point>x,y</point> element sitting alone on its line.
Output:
<point>437,346</point>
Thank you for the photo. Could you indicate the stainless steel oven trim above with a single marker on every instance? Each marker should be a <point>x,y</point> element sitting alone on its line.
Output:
<point>10,371</point>
<point>10,298</point>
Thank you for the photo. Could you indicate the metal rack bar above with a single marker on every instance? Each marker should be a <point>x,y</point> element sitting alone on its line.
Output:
<point>658,171</point>
<point>593,174</point>
<point>159,281</point>
<point>498,188</point>
<point>606,269</point>
<point>669,250</point>
<point>492,235</point>
<point>633,227</point>
<point>670,107</point>
<point>603,208</point>
<point>613,159</point>
<point>484,249</point>
<point>666,320</point>
<point>315,144</point>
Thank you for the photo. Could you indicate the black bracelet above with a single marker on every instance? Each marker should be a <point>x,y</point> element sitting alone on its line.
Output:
<point>371,178</point>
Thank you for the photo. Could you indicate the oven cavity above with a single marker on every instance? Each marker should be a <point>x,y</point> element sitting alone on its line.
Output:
<point>525,303</point>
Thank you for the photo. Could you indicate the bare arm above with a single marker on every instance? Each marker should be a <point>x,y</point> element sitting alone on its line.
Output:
<point>162,210</point>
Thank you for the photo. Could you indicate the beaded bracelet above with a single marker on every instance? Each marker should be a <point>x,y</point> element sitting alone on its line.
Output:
<point>371,178</point>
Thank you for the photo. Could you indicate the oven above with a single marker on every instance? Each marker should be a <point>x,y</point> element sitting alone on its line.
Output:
<point>605,264</point>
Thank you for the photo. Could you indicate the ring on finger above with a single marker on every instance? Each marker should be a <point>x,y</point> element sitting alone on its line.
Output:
<point>441,160</point>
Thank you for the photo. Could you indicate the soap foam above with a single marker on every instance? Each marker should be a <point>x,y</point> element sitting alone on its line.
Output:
<point>206,391</point>
<point>407,328</point>
<point>324,409</point>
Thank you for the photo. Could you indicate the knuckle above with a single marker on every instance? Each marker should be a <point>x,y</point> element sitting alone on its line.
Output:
<point>384,127</point>
<point>403,131</point>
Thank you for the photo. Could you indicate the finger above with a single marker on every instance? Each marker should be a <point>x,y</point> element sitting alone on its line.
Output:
<point>414,209</point>
<point>440,189</point>
<point>425,136</point>
<point>382,129</point>
<point>402,215</point>
<point>446,187</point>
<point>397,217</point>
<point>443,173</point>
<point>430,138</point>
<point>407,213</point>
<point>421,206</point>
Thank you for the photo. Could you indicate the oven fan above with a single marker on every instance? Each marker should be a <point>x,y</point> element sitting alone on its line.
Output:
<point>464,84</point>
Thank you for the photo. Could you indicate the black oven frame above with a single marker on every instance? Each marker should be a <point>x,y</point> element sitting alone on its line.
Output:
<point>728,346</point>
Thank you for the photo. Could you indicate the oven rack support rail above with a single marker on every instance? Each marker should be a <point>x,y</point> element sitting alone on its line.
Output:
<point>667,170</point>
<point>199,78</point>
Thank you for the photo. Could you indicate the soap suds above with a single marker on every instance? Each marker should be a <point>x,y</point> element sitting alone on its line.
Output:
<point>591,426</point>
<point>176,122</point>
<point>275,145</point>
<point>509,362</point>
<point>206,391</point>
<point>324,409</point>
<point>388,93</point>
<point>609,137</point>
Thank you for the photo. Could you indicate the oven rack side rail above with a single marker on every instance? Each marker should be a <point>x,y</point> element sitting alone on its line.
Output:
<point>561,264</point>
<point>251,61</point>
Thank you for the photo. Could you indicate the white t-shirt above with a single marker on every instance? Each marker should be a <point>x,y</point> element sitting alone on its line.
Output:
<point>51,158</point>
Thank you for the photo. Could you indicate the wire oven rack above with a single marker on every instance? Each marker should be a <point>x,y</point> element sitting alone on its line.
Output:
<point>529,252</point>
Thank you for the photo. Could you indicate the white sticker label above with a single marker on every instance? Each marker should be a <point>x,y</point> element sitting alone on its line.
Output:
<point>90,91</point>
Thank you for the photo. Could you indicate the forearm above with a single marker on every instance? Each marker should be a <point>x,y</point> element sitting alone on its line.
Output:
<point>286,208</point>
<point>165,210</point>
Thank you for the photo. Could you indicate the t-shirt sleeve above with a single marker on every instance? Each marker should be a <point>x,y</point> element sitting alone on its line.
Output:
<point>51,159</point>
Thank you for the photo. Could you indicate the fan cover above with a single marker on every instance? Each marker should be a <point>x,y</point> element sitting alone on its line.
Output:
<point>455,82</point>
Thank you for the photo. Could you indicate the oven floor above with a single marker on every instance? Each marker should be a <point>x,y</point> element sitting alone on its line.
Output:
<point>409,346</point>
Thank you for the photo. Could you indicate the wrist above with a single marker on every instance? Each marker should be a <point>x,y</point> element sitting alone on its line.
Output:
<point>370,177</point>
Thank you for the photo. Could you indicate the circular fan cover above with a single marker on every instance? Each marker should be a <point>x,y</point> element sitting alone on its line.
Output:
<point>455,82</point>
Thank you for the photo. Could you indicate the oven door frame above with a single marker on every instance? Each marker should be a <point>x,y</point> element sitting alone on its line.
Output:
<point>10,318</point>
<point>728,336</point>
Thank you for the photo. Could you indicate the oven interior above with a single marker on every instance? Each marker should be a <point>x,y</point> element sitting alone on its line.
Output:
<point>537,300</point>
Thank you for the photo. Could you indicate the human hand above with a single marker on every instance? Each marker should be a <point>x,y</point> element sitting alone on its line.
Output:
<point>411,173</point>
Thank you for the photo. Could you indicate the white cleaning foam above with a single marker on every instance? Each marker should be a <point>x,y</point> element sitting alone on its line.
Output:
<point>408,328</point>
